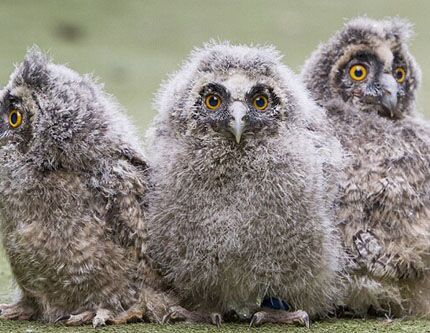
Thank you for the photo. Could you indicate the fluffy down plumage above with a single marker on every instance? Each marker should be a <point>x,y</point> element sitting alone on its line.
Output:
<point>72,185</point>
<point>233,222</point>
<point>385,194</point>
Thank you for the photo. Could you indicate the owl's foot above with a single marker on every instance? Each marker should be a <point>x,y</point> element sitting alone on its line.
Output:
<point>77,319</point>
<point>15,312</point>
<point>102,318</point>
<point>179,314</point>
<point>129,316</point>
<point>280,317</point>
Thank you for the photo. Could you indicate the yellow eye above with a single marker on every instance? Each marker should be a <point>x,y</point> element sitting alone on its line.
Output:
<point>212,101</point>
<point>400,74</point>
<point>15,118</point>
<point>358,72</point>
<point>260,102</point>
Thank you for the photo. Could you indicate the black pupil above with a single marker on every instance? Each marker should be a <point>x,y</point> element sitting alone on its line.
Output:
<point>358,72</point>
<point>14,118</point>
<point>213,101</point>
<point>260,102</point>
<point>399,74</point>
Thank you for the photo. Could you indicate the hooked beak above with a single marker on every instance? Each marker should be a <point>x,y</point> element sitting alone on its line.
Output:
<point>237,124</point>
<point>388,99</point>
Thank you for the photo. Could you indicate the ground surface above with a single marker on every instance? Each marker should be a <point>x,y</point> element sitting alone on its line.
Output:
<point>350,326</point>
<point>132,45</point>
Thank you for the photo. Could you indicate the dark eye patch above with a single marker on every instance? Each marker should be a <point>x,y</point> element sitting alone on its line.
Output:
<point>363,57</point>
<point>399,61</point>
<point>262,89</point>
<point>214,88</point>
<point>9,102</point>
<point>367,59</point>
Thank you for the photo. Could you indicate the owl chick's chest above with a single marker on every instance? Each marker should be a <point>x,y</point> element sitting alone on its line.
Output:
<point>232,226</point>
<point>235,206</point>
<point>387,172</point>
<point>232,218</point>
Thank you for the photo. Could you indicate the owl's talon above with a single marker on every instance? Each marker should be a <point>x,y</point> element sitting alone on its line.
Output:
<point>165,319</point>
<point>15,312</point>
<point>280,317</point>
<point>102,317</point>
<point>179,314</point>
<point>78,319</point>
<point>254,320</point>
<point>216,319</point>
<point>62,318</point>
<point>130,316</point>
<point>175,313</point>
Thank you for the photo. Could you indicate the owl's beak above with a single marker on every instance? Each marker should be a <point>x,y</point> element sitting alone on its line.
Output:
<point>388,99</point>
<point>237,124</point>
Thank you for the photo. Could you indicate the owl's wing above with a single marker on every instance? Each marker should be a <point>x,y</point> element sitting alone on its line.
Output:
<point>123,184</point>
<point>391,237</point>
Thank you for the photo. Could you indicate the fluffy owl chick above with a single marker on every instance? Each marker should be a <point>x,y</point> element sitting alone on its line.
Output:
<point>367,79</point>
<point>242,160</point>
<point>72,178</point>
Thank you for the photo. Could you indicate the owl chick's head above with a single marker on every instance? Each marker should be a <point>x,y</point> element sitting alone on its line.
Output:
<point>231,94</point>
<point>367,64</point>
<point>56,117</point>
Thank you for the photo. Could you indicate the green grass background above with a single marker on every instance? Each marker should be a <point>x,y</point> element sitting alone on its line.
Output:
<point>132,45</point>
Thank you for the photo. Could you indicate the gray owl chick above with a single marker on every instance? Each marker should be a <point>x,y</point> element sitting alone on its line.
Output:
<point>367,79</point>
<point>72,181</point>
<point>242,163</point>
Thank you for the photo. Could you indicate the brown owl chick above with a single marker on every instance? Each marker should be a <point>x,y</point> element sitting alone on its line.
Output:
<point>367,79</point>
<point>72,181</point>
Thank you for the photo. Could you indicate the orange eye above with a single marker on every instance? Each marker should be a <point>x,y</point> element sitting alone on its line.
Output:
<point>260,102</point>
<point>15,118</point>
<point>400,74</point>
<point>213,102</point>
<point>358,72</point>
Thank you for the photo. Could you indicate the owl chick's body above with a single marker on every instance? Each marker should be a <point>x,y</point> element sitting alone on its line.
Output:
<point>239,210</point>
<point>385,194</point>
<point>73,179</point>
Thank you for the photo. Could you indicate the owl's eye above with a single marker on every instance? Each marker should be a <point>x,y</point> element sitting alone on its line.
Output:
<point>213,102</point>
<point>358,72</point>
<point>15,118</point>
<point>260,102</point>
<point>400,74</point>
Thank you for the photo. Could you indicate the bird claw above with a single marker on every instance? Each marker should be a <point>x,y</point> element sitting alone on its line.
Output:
<point>280,317</point>
<point>179,314</point>
<point>101,318</point>
<point>216,319</point>
<point>174,314</point>
<point>129,316</point>
<point>15,312</point>
<point>62,318</point>
<point>78,319</point>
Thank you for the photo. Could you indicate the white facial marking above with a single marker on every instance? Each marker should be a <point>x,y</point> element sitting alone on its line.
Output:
<point>386,55</point>
<point>238,85</point>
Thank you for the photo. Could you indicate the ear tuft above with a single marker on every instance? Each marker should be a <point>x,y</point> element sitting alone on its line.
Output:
<point>33,70</point>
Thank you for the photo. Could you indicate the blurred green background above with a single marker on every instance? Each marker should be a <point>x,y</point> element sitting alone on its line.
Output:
<point>132,45</point>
